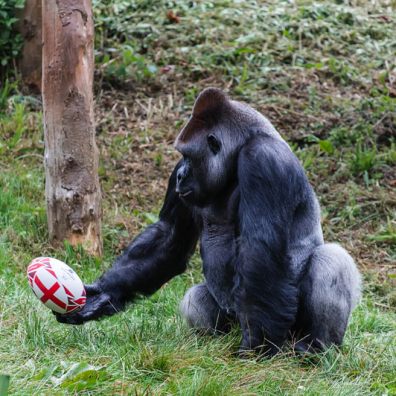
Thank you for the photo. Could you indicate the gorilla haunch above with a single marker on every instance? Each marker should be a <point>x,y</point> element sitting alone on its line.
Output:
<point>243,194</point>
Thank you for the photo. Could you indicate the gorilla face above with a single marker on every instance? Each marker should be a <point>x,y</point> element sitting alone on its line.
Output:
<point>207,168</point>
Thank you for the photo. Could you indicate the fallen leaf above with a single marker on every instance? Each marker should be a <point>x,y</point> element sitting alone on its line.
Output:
<point>172,17</point>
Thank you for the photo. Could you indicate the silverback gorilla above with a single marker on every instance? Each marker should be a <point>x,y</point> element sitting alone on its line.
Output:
<point>241,191</point>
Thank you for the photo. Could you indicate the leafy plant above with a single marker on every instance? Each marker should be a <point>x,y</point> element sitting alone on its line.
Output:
<point>128,64</point>
<point>10,42</point>
<point>326,146</point>
<point>12,127</point>
<point>364,159</point>
<point>387,233</point>
<point>6,89</point>
<point>79,376</point>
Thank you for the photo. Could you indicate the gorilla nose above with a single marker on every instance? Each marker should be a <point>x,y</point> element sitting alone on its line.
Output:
<point>181,175</point>
<point>182,178</point>
<point>181,188</point>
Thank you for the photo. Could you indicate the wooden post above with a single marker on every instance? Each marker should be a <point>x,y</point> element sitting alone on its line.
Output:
<point>71,157</point>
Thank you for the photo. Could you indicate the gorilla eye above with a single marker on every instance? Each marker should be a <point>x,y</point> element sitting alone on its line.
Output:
<point>214,144</point>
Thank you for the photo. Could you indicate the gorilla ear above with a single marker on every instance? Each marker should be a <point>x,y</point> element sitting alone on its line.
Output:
<point>209,101</point>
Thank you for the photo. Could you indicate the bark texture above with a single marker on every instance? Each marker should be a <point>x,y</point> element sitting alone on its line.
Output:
<point>31,59</point>
<point>71,156</point>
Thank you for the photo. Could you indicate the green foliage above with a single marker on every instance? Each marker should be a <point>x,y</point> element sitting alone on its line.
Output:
<point>127,65</point>
<point>12,128</point>
<point>364,159</point>
<point>16,121</point>
<point>211,38</point>
<point>326,146</point>
<point>387,234</point>
<point>118,52</point>
<point>6,89</point>
<point>74,376</point>
<point>10,41</point>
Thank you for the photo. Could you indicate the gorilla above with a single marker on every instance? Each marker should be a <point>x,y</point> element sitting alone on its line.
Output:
<point>242,192</point>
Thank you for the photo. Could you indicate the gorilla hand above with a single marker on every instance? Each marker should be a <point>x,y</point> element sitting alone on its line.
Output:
<point>154,257</point>
<point>99,303</point>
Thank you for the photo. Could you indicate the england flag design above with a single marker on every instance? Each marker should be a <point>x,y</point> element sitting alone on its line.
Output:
<point>56,285</point>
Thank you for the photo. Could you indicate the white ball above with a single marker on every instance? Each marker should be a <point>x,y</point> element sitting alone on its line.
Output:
<point>56,285</point>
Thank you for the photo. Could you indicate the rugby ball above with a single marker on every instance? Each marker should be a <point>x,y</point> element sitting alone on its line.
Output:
<point>56,285</point>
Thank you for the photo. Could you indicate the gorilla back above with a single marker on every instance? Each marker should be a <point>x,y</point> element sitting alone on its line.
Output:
<point>243,193</point>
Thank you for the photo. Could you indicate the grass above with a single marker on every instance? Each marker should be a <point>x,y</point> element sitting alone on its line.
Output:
<point>148,349</point>
<point>324,74</point>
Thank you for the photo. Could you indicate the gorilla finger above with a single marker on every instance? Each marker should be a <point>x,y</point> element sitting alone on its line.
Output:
<point>95,308</point>
<point>94,303</point>
<point>74,319</point>
<point>92,289</point>
<point>89,311</point>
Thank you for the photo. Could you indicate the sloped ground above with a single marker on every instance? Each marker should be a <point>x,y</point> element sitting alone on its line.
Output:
<point>325,75</point>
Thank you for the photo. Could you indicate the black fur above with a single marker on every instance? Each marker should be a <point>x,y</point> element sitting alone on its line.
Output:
<point>272,187</point>
<point>241,190</point>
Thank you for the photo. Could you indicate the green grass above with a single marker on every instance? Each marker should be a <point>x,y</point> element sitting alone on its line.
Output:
<point>148,349</point>
<point>324,73</point>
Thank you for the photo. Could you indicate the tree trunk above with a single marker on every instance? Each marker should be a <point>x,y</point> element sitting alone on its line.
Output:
<point>71,156</point>
<point>30,28</point>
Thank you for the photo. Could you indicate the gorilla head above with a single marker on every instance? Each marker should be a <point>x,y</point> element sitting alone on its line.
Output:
<point>210,143</point>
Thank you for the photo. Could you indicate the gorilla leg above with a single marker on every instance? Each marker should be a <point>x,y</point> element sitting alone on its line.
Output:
<point>329,291</point>
<point>202,312</point>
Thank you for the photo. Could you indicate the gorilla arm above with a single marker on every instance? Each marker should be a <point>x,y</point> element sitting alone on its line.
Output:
<point>158,254</point>
<point>272,183</point>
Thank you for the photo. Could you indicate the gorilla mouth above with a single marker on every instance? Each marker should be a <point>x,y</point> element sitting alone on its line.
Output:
<point>185,194</point>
